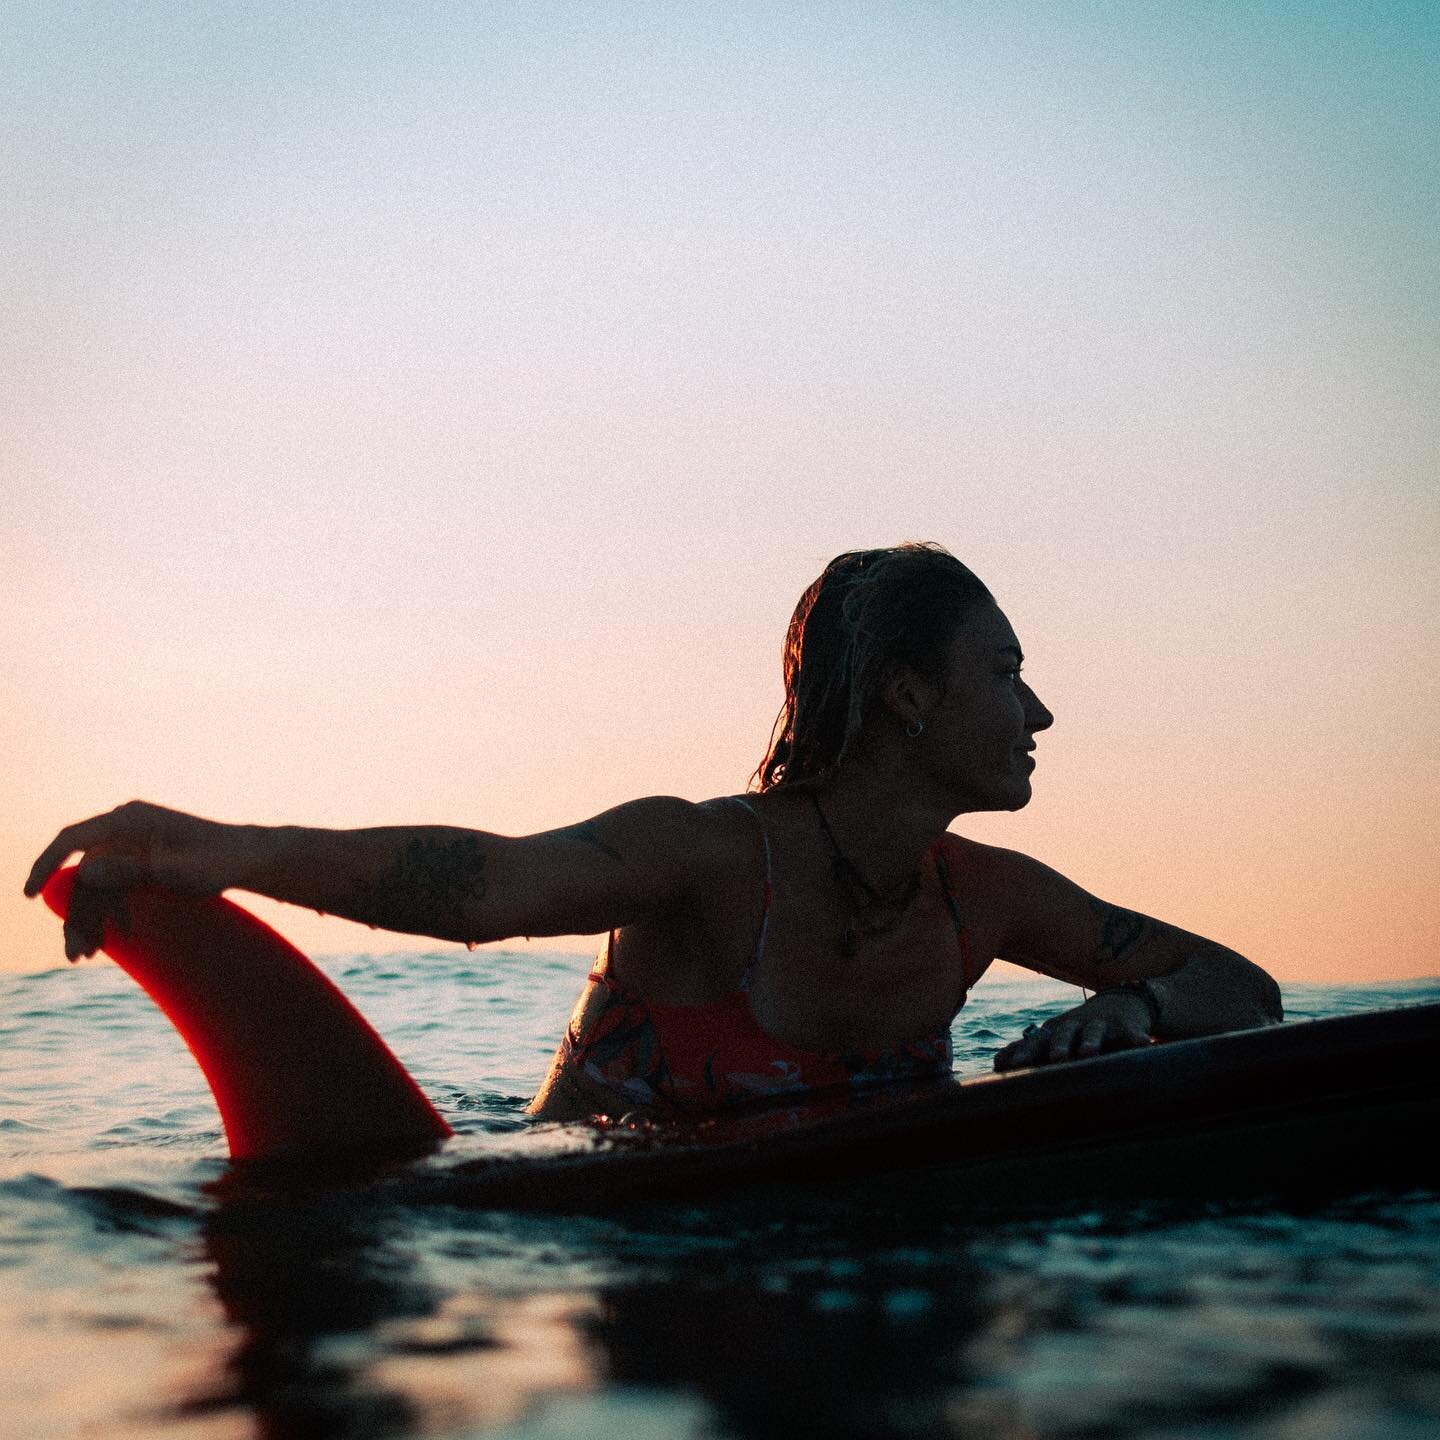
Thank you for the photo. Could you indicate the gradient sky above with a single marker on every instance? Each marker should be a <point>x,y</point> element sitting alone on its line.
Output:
<point>432,413</point>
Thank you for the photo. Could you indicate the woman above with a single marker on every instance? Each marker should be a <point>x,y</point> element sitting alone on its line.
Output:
<point>820,931</point>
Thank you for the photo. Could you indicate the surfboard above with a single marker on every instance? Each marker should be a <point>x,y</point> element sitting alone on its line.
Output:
<point>301,1078</point>
<point>1310,1108</point>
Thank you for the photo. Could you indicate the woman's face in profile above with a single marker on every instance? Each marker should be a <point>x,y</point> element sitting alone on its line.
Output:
<point>981,731</point>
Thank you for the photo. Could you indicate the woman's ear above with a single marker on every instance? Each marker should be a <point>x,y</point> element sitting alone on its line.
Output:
<point>908,697</point>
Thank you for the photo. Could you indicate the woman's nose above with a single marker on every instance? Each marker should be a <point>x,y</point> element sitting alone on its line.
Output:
<point>1037,717</point>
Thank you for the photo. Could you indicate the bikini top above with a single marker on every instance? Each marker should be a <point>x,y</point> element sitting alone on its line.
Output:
<point>689,1058</point>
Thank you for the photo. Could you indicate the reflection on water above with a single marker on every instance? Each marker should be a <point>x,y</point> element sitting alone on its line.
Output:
<point>830,1346</point>
<point>336,1330</point>
<point>352,1318</point>
<point>340,1329</point>
<point>296,1283</point>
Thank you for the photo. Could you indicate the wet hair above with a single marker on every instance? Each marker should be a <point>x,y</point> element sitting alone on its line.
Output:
<point>869,613</point>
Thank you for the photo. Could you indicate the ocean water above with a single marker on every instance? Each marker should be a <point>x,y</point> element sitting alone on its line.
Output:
<point>134,1303</point>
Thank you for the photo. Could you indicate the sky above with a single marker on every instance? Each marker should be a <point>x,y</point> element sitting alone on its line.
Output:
<point>432,414</point>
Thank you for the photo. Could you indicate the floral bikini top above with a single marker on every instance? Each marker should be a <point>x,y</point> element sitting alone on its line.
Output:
<point>696,1058</point>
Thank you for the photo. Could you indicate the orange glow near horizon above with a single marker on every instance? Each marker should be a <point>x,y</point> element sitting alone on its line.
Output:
<point>438,422</point>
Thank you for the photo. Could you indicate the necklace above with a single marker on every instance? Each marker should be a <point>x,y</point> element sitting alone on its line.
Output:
<point>861,894</point>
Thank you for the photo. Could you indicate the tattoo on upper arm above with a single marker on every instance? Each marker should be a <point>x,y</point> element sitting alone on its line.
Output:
<point>434,880</point>
<point>585,833</point>
<point>1120,931</point>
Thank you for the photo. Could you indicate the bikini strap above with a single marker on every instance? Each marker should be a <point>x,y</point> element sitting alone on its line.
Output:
<point>759,949</point>
<point>944,874</point>
<point>600,970</point>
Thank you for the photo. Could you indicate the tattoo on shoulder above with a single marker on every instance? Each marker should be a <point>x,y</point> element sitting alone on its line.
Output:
<point>1120,931</point>
<point>585,833</point>
<point>434,879</point>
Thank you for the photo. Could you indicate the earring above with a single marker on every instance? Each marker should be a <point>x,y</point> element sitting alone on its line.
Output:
<point>915,729</point>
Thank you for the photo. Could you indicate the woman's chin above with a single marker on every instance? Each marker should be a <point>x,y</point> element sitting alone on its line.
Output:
<point>1020,791</point>
<point>1013,794</point>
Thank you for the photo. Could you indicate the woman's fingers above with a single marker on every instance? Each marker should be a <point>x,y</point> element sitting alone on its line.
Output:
<point>114,827</point>
<point>1127,1037</point>
<point>97,898</point>
<point>1010,1057</point>
<point>109,865</point>
<point>57,852</point>
<point>1031,1049</point>
<point>1062,1035</point>
<point>1073,1036</point>
<point>84,924</point>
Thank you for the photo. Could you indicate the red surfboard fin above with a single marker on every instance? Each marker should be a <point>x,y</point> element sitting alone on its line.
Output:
<point>294,1067</point>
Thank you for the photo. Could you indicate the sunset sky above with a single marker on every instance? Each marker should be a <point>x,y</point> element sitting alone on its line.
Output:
<point>432,414</point>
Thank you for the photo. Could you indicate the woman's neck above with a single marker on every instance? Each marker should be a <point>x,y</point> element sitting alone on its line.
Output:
<point>882,829</point>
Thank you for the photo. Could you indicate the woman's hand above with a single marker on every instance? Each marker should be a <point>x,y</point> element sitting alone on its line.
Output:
<point>137,844</point>
<point>1111,1020</point>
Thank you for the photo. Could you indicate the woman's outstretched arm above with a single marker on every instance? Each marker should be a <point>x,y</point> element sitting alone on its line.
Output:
<point>629,863</point>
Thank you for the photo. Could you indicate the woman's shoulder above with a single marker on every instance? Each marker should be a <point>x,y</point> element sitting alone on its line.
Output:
<point>670,825</point>
<point>708,842</point>
<point>735,820</point>
<point>984,877</point>
<point>992,865</point>
<point>970,857</point>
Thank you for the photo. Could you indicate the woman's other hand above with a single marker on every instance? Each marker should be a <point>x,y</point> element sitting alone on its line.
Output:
<point>1111,1020</point>
<point>136,844</point>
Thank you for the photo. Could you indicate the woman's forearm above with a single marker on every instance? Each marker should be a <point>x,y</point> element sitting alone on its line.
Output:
<point>1213,991</point>
<point>635,860</point>
<point>417,879</point>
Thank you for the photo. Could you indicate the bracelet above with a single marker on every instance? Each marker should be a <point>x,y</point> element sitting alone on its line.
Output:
<point>1143,989</point>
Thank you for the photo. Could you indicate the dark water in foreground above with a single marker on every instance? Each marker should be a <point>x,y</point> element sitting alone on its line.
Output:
<point>132,1303</point>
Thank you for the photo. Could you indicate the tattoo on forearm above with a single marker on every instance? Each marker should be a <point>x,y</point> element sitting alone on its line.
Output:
<point>1120,931</point>
<point>585,833</point>
<point>433,882</point>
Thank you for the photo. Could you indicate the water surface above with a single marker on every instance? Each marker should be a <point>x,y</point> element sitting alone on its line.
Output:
<point>133,1303</point>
